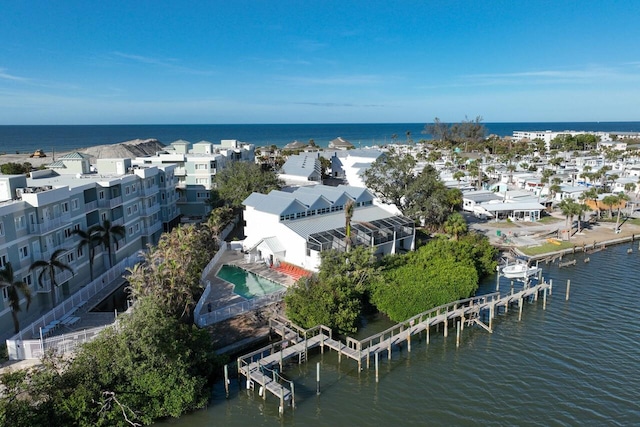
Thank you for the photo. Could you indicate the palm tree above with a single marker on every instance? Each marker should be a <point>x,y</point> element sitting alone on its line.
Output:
<point>455,224</point>
<point>49,268</point>
<point>458,176</point>
<point>622,198</point>
<point>108,236</point>
<point>14,288</point>
<point>569,208</point>
<point>610,201</point>
<point>90,238</point>
<point>348,214</point>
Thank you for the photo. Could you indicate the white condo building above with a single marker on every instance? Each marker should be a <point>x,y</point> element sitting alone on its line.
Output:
<point>38,216</point>
<point>196,167</point>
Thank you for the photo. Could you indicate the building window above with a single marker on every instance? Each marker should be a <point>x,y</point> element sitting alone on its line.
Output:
<point>67,233</point>
<point>137,227</point>
<point>129,211</point>
<point>101,195</point>
<point>80,252</point>
<point>24,252</point>
<point>75,205</point>
<point>201,166</point>
<point>65,207</point>
<point>130,230</point>
<point>76,227</point>
<point>5,293</point>
<point>70,257</point>
<point>135,208</point>
<point>127,190</point>
<point>103,215</point>
<point>28,280</point>
<point>20,222</point>
<point>3,261</point>
<point>1,228</point>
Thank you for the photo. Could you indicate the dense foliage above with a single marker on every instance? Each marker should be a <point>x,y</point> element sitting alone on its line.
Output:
<point>12,168</point>
<point>152,365</point>
<point>422,197</point>
<point>401,286</point>
<point>437,273</point>
<point>335,296</point>
<point>238,180</point>
<point>171,271</point>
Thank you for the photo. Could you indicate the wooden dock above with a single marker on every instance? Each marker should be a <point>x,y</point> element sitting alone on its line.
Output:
<point>261,367</point>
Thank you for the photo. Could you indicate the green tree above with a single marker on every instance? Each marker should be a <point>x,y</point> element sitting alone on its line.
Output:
<point>91,239</point>
<point>455,225</point>
<point>335,296</point>
<point>15,168</point>
<point>238,180</point>
<point>610,201</point>
<point>14,289</point>
<point>440,272</point>
<point>569,208</point>
<point>48,269</point>
<point>172,271</point>
<point>390,176</point>
<point>109,234</point>
<point>218,220</point>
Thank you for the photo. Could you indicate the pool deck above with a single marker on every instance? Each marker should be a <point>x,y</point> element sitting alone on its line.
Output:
<point>222,293</point>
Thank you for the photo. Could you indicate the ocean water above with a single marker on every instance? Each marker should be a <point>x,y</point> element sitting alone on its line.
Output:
<point>26,139</point>
<point>575,363</point>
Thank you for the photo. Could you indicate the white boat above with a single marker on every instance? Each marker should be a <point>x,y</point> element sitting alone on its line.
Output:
<point>519,270</point>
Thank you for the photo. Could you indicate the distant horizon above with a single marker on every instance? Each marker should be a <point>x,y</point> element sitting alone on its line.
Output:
<point>318,123</point>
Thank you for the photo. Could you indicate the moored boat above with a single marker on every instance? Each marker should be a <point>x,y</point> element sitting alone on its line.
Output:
<point>519,270</point>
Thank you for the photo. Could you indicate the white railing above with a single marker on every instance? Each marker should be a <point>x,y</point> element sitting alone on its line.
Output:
<point>52,224</point>
<point>35,348</point>
<point>91,206</point>
<point>16,343</point>
<point>205,295</point>
<point>233,310</point>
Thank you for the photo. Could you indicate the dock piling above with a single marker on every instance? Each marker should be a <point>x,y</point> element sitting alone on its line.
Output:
<point>520,309</point>
<point>377,366</point>
<point>226,380</point>
<point>458,334</point>
<point>318,378</point>
<point>566,298</point>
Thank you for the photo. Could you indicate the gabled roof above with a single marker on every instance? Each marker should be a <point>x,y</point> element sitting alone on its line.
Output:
<point>302,165</point>
<point>278,204</point>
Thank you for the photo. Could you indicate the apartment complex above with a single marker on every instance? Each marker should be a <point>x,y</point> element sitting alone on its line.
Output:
<point>196,167</point>
<point>38,215</point>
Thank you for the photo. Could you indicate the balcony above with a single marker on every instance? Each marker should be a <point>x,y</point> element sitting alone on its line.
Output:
<point>110,203</point>
<point>90,206</point>
<point>61,277</point>
<point>149,191</point>
<point>180,172</point>
<point>52,224</point>
<point>152,229</point>
<point>148,211</point>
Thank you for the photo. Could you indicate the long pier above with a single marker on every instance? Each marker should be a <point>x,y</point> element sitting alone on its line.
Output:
<point>264,367</point>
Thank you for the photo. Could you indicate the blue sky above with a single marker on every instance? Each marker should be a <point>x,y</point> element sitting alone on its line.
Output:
<point>279,61</point>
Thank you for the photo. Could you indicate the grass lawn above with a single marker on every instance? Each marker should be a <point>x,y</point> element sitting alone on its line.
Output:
<point>549,220</point>
<point>545,248</point>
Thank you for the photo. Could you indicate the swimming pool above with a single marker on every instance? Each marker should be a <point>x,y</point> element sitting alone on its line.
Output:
<point>246,283</point>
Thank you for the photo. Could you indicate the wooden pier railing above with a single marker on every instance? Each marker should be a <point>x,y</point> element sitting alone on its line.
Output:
<point>258,367</point>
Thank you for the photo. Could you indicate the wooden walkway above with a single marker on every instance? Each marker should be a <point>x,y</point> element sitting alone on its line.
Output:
<point>261,367</point>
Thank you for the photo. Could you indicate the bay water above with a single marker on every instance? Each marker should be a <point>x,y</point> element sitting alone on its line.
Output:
<point>575,363</point>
